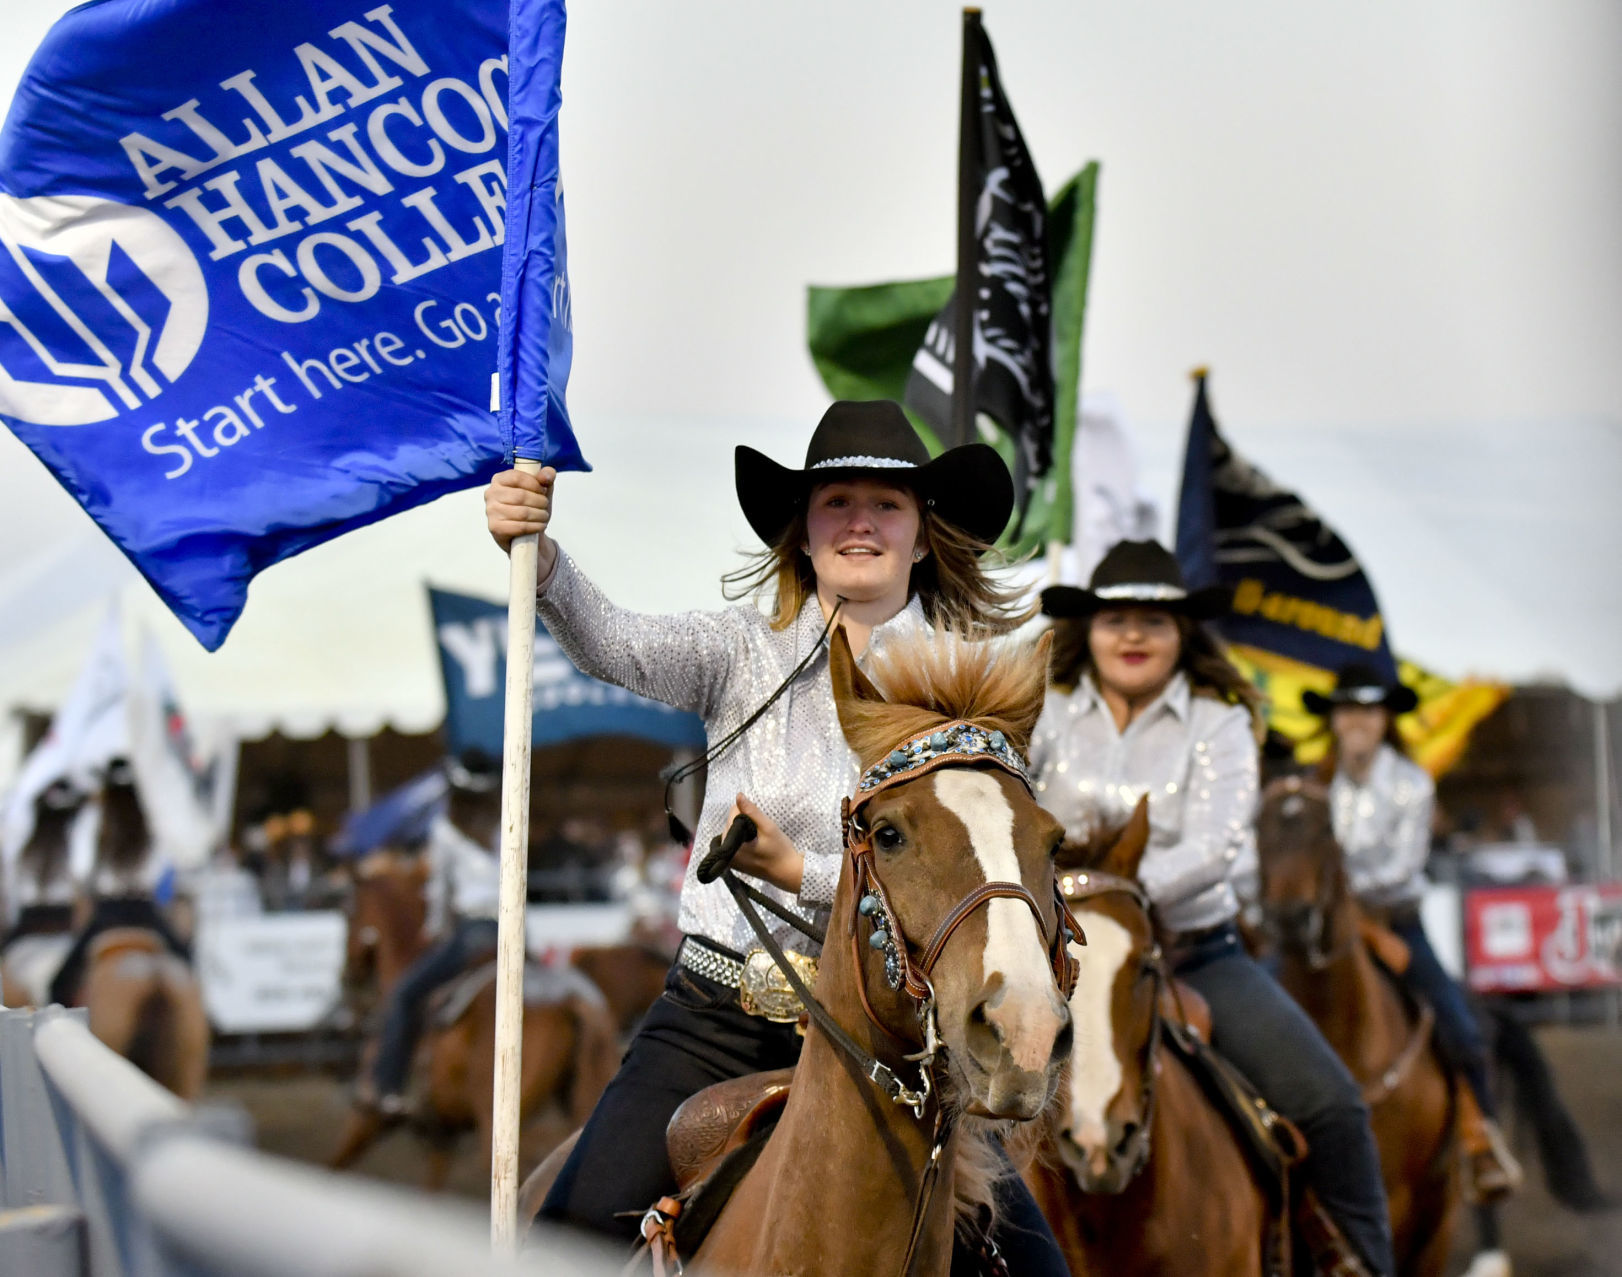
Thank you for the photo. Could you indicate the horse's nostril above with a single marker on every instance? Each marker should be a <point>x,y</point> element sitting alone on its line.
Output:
<point>984,1038</point>
<point>1129,1132</point>
<point>1066,1038</point>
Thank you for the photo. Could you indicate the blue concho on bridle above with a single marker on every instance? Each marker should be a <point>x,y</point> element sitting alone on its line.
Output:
<point>961,739</point>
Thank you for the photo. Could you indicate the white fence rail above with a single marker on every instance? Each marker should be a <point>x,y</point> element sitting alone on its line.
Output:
<point>105,1174</point>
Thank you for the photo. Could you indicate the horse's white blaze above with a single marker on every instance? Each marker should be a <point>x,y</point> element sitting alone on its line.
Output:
<point>1015,948</point>
<point>1095,1072</point>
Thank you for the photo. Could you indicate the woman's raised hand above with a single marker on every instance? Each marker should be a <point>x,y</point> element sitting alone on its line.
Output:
<point>518,504</point>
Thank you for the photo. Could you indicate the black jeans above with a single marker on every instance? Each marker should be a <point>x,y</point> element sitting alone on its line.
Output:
<point>110,912</point>
<point>1457,1032</point>
<point>1268,1037</point>
<point>402,1022</point>
<point>693,1036</point>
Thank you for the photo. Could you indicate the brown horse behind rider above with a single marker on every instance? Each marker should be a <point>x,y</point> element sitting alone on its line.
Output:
<point>1327,964</point>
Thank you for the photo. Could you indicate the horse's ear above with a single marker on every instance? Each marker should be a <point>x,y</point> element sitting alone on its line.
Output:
<point>1126,855</point>
<point>851,686</point>
<point>1022,715</point>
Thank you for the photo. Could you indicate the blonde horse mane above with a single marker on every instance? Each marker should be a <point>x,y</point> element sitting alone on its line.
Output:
<point>918,682</point>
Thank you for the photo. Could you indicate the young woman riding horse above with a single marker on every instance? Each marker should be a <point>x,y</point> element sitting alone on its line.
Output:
<point>870,528</point>
<point>1381,803</point>
<point>941,990</point>
<point>1144,702</point>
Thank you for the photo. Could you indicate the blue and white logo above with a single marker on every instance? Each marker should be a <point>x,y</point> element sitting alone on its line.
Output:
<point>102,307</point>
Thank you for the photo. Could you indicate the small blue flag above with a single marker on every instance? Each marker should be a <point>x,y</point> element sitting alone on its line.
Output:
<point>251,271</point>
<point>472,634</point>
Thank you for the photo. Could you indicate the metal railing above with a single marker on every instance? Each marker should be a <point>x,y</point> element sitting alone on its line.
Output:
<point>103,1173</point>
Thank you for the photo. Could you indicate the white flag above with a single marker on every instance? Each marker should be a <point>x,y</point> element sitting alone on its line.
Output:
<point>1104,475</point>
<point>186,777</point>
<point>1109,506</point>
<point>90,729</point>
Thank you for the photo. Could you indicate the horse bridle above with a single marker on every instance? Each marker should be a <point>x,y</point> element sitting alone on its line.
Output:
<point>947,746</point>
<point>1077,886</point>
<point>1313,950</point>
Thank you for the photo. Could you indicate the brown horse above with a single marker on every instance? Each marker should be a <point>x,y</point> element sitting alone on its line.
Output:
<point>631,977</point>
<point>570,1037</point>
<point>1327,967</point>
<point>1134,1167</point>
<point>143,1001</point>
<point>145,1004</point>
<point>386,914</point>
<point>945,980</point>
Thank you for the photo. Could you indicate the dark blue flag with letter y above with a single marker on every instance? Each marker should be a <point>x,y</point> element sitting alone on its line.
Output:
<point>251,276</point>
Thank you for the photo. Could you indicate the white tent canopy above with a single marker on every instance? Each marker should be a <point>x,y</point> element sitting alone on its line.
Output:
<point>1391,232</point>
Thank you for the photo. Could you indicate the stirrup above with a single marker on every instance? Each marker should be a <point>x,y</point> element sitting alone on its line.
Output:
<point>1494,1172</point>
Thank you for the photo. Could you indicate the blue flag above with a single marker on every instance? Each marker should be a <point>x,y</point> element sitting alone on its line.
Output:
<point>251,272</point>
<point>472,634</point>
<point>1299,591</point>
<point>536,338</point>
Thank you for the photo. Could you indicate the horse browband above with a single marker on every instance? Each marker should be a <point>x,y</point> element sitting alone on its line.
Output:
<point>951,745</point>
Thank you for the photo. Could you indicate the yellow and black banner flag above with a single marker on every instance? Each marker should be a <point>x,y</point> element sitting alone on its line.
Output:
<point>1302,605</point>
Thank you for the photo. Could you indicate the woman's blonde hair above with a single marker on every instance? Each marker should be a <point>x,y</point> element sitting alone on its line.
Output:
<point>1199,655</point>
<point>952,582</point>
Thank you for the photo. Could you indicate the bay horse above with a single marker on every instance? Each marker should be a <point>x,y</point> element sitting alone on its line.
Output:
<point>942,983</point>
<point>570,1044</point>
<point>143,1001</point>
<point>1134,1166</point>
<point>1327,966</point>
<point>386,912</point>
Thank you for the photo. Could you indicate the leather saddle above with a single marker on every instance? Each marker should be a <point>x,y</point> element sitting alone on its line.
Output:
<point>1388,949</point>
<point>713,1140</point>
<point>1183,1005</point>
<point>116,941</point>
<point>722,1118</point>
<point>544,983</point>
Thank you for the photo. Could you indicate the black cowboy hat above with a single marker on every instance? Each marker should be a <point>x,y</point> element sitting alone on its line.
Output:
<point>1137,574</point>
<point>968,486</point>
<point>474,771</point>
<point>1359,684</point>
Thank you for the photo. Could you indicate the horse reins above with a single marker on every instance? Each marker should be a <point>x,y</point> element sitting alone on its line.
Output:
<point>1080,885</point>
<point>951,745</point>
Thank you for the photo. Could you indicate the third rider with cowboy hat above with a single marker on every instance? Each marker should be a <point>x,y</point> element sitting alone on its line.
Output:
<point>1381,801</point>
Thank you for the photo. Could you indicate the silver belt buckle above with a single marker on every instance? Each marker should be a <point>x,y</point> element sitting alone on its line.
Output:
<point>764,991</point>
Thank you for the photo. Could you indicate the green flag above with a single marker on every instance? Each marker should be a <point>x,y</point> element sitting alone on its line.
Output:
<point>863,341</point>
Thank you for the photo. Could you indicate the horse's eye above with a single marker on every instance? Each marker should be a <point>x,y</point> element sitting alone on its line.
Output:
<point>888,838</point>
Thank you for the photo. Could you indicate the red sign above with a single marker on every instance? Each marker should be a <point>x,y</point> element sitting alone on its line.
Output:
<point>1544,939</point>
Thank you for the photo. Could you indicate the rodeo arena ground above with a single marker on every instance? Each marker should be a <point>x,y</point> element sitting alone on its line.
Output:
<point>726,772</point>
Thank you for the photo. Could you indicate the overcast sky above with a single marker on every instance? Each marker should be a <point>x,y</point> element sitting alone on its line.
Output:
<point>1391,230</point>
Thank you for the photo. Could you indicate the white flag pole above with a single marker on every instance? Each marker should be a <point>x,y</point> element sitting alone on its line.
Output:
<point>514,887</point>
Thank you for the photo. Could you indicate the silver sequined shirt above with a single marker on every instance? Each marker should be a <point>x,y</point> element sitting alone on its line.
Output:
<point>793,763</point>
<point>1196,759</point>
<point>1384,827</point>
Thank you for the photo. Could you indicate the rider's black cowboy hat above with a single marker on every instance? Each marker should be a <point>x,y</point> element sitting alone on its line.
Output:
<point>1137,574</point>
<point>968,486</point>
<point>1359,684</point>
<point>473,771</point>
